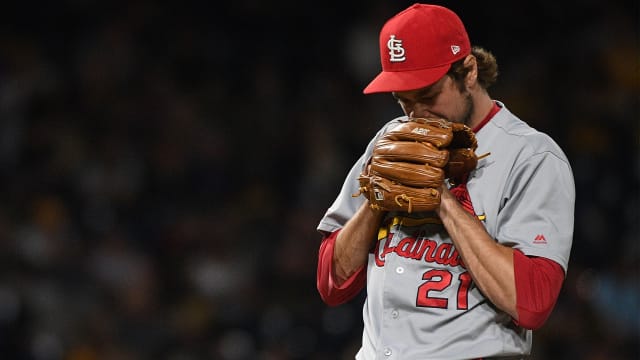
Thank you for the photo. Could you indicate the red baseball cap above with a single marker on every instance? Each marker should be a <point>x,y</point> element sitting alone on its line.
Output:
<point>417,47</point>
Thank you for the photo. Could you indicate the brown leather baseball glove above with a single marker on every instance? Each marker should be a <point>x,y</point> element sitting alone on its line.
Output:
<point>411,161</point>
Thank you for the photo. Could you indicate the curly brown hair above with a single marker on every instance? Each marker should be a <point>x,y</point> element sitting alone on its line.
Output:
<point>487,68</point>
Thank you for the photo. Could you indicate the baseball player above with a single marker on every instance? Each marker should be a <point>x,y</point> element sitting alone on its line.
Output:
<point>472,278</point>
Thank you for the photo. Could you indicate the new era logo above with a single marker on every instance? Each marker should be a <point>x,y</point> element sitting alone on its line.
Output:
<point>539,239</point>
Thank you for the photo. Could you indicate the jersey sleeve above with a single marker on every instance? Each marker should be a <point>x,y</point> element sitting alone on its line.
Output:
<point>538,284</point>
<point>537,217</point>
<point>345,205</point>
<point>331,291</point>
<point>343,208</point>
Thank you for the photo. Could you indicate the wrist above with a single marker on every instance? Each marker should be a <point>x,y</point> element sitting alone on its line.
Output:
<point>447,200</point>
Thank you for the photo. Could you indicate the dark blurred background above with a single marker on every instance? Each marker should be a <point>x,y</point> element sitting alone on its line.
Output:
<point>163,168</point>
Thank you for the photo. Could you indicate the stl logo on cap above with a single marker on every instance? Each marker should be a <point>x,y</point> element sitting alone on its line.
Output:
<point>396,51</point>
<point>417,47</point>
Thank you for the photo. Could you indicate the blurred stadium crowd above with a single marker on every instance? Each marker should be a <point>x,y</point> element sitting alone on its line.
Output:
<point>163,168</point>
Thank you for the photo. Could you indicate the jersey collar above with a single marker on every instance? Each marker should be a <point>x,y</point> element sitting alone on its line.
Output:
<point>494,110</point>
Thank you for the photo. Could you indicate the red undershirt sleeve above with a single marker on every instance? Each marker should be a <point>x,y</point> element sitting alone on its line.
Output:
<point>538,283</point>
<point>331,292</point>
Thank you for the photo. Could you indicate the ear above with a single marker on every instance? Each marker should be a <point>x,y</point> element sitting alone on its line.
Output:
<point>472,76</point>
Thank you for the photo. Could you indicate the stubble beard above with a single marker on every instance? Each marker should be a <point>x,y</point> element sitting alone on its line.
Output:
<point>467,110</point>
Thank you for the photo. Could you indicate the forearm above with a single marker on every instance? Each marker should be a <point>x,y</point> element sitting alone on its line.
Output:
<point>489,263</point>
<point>352,245</point>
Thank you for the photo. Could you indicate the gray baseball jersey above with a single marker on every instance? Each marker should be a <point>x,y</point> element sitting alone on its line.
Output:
<point>421,302</point>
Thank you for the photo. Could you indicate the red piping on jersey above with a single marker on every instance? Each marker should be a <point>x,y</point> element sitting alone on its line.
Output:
<point>494,110</point>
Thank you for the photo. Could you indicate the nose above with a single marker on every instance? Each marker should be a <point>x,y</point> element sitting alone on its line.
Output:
<point>420,111</point>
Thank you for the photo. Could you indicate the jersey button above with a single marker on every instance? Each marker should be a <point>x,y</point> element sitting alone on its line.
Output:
<point>399,269</point>
<point>387,352</point>
<point>394,314</point>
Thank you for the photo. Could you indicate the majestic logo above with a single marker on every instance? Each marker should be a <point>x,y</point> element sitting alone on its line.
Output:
<point>396,51</point>
<point>540,239</point>
<point>455,49</point>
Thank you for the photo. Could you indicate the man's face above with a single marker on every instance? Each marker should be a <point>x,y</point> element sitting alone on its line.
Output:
<point>443,99</point>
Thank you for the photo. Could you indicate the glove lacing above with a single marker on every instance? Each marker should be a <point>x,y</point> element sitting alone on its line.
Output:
<point>406,198</point>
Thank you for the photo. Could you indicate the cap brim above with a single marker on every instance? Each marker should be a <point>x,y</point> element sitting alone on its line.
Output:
<point>393,81</point>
